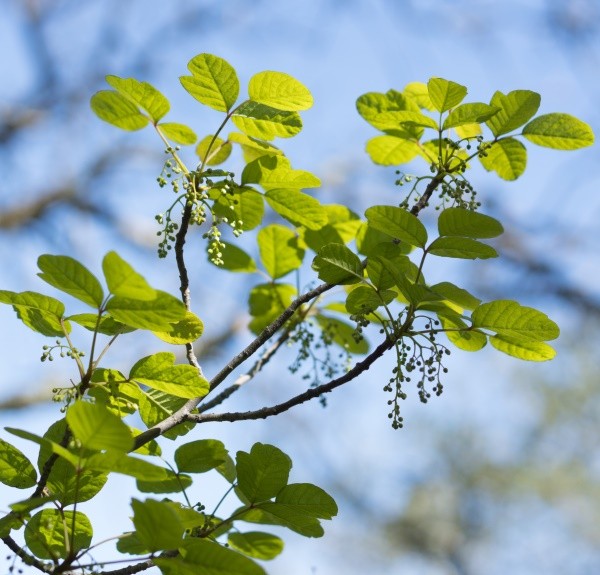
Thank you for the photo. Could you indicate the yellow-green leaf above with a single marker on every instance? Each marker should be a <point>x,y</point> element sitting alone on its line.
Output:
<point>214,82</point>
<point>266,123</point>
<point>141,94</point>
<point>117,110</point>
<point>219,150</point>
<point>280,91</point>
<point>445,94</point>
<point>559,131</point>
<point>507,157</point>
<point>179,133</point>
<point>186,330</point>
<point>391,150</point>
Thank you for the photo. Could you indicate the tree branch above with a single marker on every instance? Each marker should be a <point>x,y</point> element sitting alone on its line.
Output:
<point>246,377</point>
<point>25,557</point>
<point>309,394</point>
<point>181,414</point>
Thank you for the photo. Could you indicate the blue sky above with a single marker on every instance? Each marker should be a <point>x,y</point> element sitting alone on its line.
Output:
<point>339,50</point>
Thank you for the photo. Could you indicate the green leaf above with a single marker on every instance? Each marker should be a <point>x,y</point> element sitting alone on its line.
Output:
<point>200,456</point>
<point>39,312</point>
<point>527,350</point>
<point>178,133</point>
<point>172,483</point>
<point>159,372</point>
<point>53,533</point>
<point>418,92</point>
<point>279,250</point>
<point>117,462</point>
<point>106,326</point>
<point>369,241</point>
<point>364,299</point>
<point>559,131</point>
<point>506,157</point>
<point>256,544</point>
<point>337,264</point>
<point>253,147</point>
<point>142,94</point>
<point>397,223</point>
<point>280,91</point>
<point>516,108</point>
<point>97,428</point>
<point>68,275</point>
<point>68,487</point>
<point>391,150</point>
<point>186,330</point>
<point>272,513</point>
<point>29,504</point>
<point>218,152</point>
<point>456,295</point>
<point>9,522</point>
<point>462,337</point>
<point>379,273</point>
<point>463,222</point>
<point>475,113</point>
<point>393,119</point>
<point>267,302</point>
<point>298,208</point>
<point>157,314</point>
<point>248,207</point>
<point>445,94</point>
<point>236,259</point>
<point>371,105</point>
<point>266,123</point>
<point>341,228</point>
<point>157,525</point>
<point>512,320</point>
<point>275,172</point>
<point>50,445</point>
<point>200,556</point>
<point>15,469</point>
<point>156,406</point>
<point>459,247</point>
<point>130,544</point>
<point>117,110</point>
<point>213,82</point>
<point>122,280</point>
<point>308,499</point>
<point>262,473</point>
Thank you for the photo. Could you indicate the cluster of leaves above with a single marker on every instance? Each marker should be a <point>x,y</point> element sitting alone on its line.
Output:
<point>376,264</point>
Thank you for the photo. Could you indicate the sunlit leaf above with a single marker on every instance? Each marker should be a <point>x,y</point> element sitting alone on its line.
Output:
<point>97,428</point>
<point>467,223</point>
<point>279,250</point>
<point>179,133</point>
<point>337,264</point>
<point>397,223</point>
<point>117,110</point>
<point>159,372</point>
<point>507,157</point>
<point>559,131</point>
<point>445,94</point>
<point>280,91</point>
<point>15,469</point>
<point>214,82</point>
<point>141,94</point>
<point>53,533</point>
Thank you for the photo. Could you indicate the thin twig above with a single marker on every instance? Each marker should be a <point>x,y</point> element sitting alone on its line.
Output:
<point>309,394</point>
<point>246,377</point>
